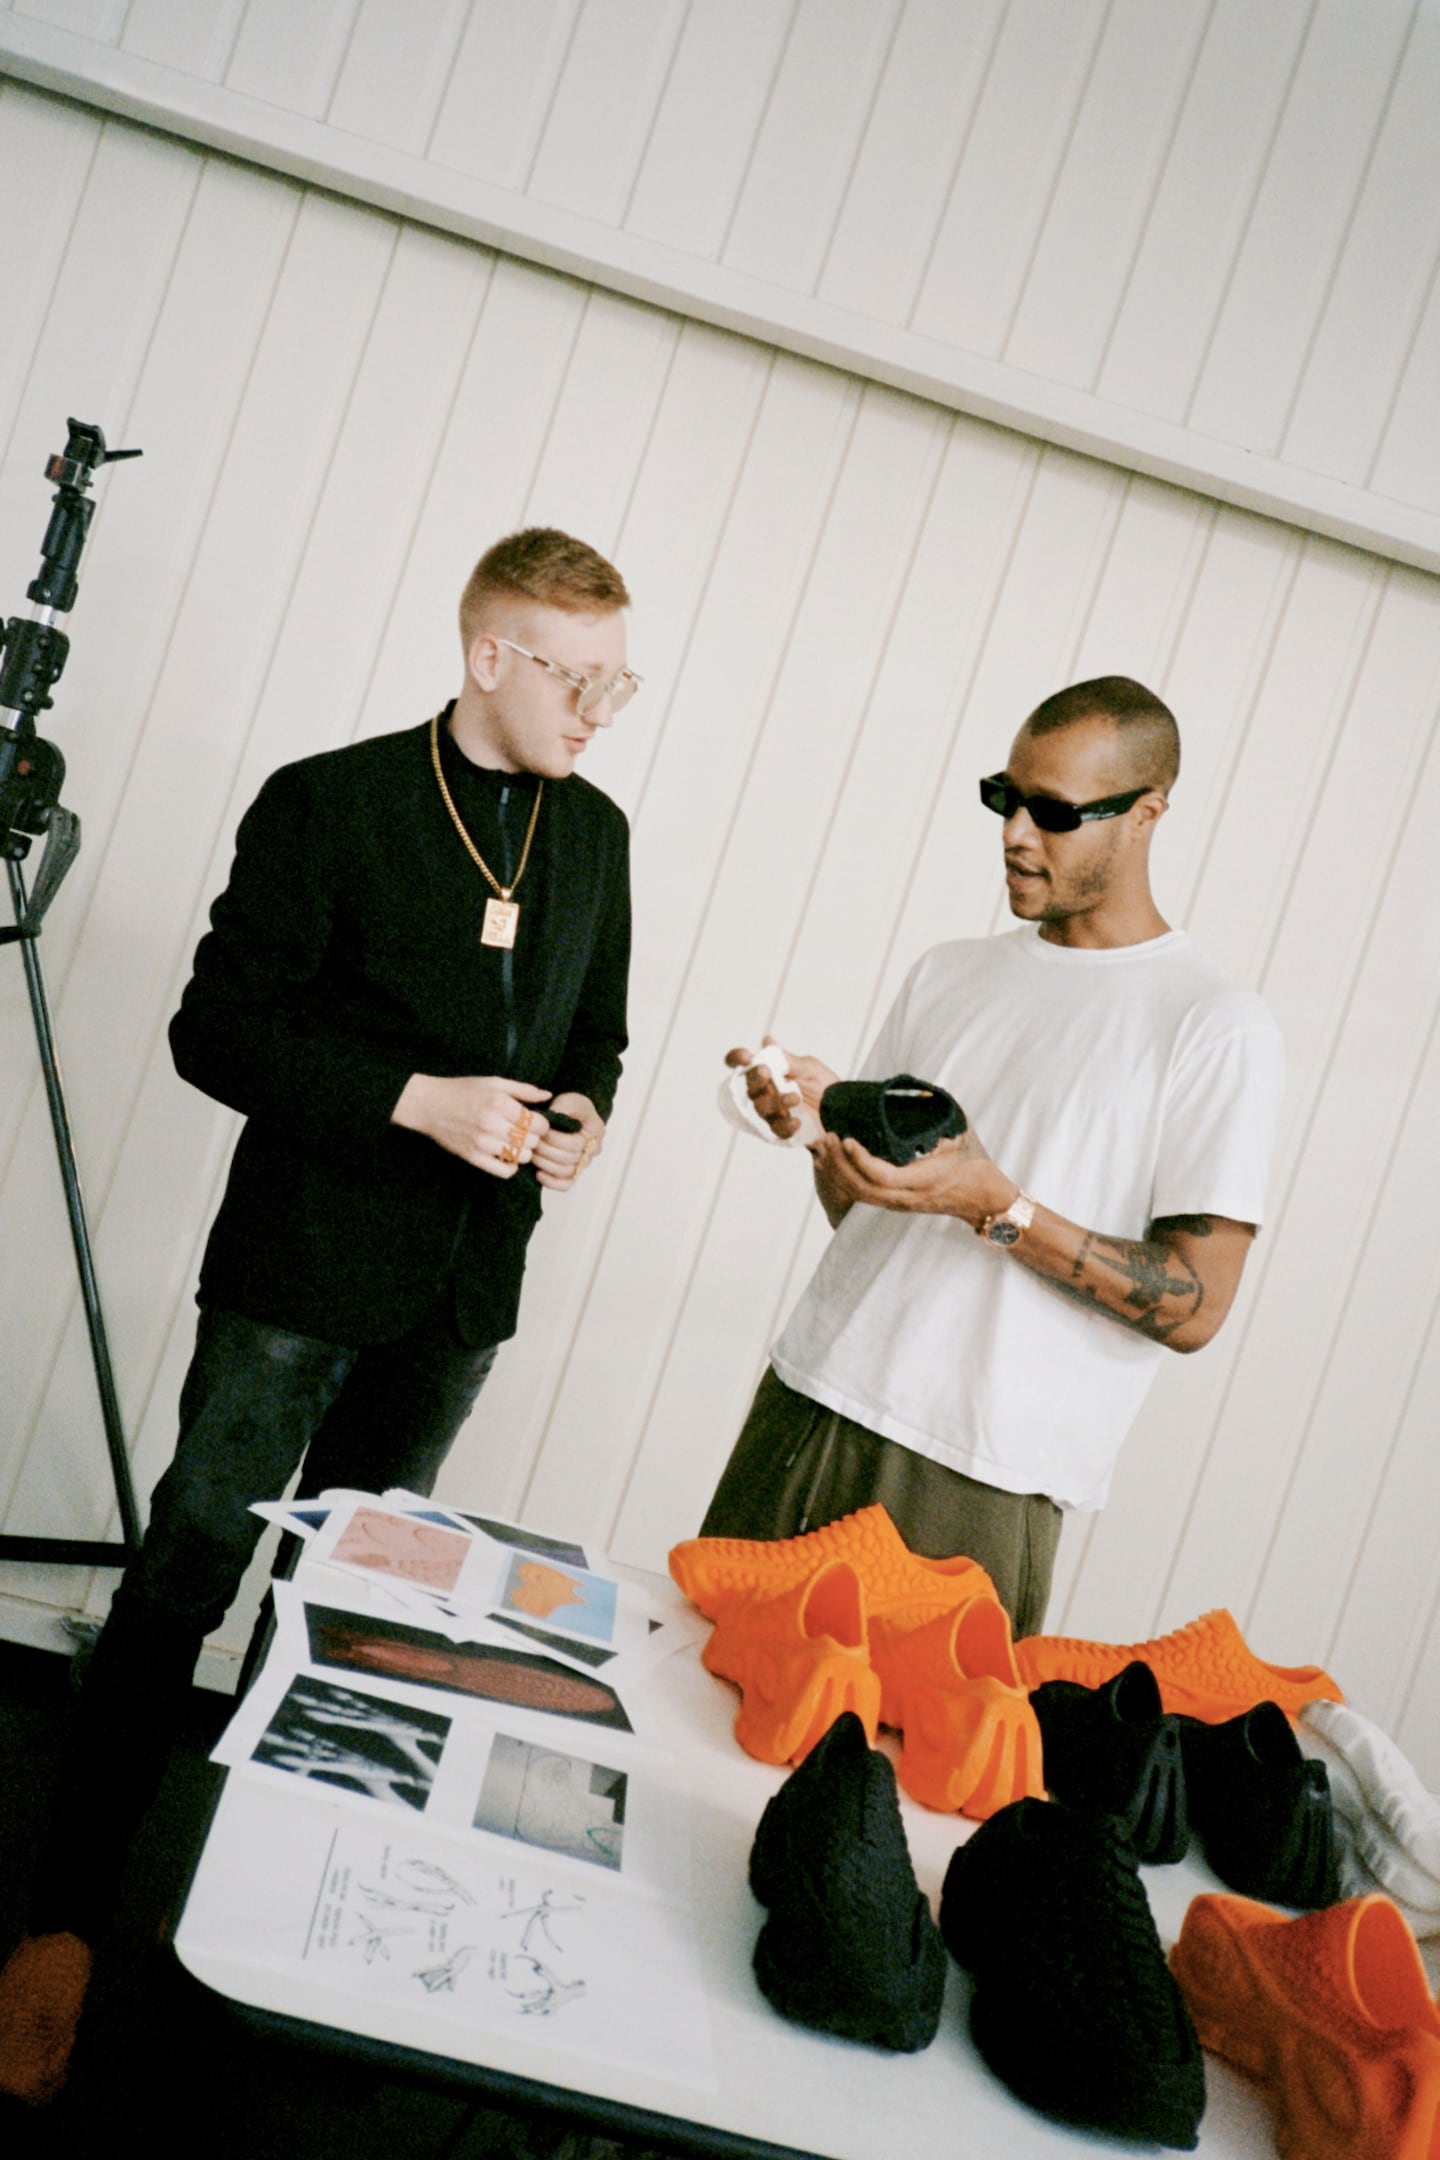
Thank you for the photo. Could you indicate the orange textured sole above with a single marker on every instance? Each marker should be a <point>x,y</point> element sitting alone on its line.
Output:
<point>714,1571</point>
<point>1205,1669</point>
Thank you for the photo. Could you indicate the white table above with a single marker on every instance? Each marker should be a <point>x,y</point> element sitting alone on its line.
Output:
<point>780,2087</point>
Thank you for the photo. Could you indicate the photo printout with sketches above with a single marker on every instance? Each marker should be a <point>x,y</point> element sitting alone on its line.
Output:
<point>458,1934</point>
<point>493,1668</point>
<point>533,1588</point>
<point>431,1556</point>
<point>305,1517</point>
<point>380,1716</point>
<point>354,1743</point>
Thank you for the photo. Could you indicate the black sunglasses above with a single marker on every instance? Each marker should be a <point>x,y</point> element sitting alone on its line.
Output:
<point>1000,794</point>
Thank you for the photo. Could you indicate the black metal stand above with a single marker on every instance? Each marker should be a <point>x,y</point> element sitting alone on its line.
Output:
<point>32,654</point>
<point>67,1551</point>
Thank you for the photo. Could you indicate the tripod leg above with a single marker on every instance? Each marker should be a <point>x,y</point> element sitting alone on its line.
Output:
<point>79,1230</point>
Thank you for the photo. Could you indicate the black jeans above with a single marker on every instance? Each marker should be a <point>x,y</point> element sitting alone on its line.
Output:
<point>256,1400</point>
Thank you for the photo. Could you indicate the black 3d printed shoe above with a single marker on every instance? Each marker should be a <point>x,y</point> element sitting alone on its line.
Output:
<point>899,1120</point>
<point>1112,1750</point>
<point>1261,1808</point>
<point>849,1946</point>
<point>1073,2007</point>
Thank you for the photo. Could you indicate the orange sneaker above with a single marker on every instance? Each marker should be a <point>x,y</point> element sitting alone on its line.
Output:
<point>713,1571</point>
<point>972,1741</point>
<point>1204,1669</point>
<point>42,1992</point>
<point>799,1659</point>
<point>1330,2012</point>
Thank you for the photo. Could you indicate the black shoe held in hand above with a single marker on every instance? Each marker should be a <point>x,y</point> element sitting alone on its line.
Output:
<point>899,1120</point>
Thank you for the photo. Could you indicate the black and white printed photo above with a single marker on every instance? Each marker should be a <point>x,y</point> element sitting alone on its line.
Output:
<point>337,1736</point>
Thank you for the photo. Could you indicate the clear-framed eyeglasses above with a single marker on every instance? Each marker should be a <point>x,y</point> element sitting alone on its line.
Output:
<point>590,690</point>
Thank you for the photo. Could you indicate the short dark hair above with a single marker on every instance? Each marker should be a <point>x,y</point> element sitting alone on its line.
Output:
<point>546,566</point>
<point>1149,737</point>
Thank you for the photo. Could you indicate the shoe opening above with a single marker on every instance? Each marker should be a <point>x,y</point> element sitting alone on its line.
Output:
<point>835,1605</point>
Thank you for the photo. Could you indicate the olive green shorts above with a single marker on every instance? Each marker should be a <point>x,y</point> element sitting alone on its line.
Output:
<point>797,1465</point>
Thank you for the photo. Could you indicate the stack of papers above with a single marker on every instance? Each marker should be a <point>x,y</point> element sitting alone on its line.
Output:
<point>480,1809</point>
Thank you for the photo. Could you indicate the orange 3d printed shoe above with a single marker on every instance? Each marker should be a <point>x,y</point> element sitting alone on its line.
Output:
<point>799,1659</point>
<point>1204,1669</point>
<point>713,1571</point>
<point>1330,2012</point>
<point>971,1738</point>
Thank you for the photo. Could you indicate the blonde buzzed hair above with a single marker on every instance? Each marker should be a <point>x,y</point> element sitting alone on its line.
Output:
<point>546,566</point>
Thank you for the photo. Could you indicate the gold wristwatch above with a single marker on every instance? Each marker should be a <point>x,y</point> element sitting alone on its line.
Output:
<point>1007,1227</point>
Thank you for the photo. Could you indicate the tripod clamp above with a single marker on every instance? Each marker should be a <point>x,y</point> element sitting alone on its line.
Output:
<point>33,652</point>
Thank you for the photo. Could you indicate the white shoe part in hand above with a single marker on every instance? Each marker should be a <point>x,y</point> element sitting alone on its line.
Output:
<point>740,1111</point>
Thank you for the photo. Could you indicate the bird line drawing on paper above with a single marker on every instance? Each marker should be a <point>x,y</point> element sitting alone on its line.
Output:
<point>372,1941</point>
<point>429,1875</point>
<point>440,1979</point>
<point>436,1908</point>
<point>546,1991</point>
<point>537,1918</point>
<point>549,1992</point>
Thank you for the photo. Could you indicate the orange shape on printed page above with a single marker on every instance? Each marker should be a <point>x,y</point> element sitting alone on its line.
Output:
<point>542,1590</point>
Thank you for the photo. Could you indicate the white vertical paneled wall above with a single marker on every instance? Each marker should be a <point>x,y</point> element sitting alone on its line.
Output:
<point>846,599</point>
<point>1202,235</point>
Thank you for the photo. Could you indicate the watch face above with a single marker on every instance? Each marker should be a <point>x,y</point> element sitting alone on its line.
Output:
<point>1003,1233</point>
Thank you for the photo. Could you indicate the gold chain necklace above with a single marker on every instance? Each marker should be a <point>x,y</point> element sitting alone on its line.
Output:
<point>502,914</point>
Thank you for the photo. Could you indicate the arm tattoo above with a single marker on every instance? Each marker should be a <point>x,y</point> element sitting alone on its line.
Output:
<point>1152,1273</point>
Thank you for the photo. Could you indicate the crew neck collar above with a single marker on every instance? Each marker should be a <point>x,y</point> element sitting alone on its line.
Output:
<point>1097,955</point>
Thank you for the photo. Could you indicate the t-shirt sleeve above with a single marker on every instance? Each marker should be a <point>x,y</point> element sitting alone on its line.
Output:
<point>1222,1112</point>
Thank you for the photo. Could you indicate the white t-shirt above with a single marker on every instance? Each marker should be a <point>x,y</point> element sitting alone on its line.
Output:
<point>1115,1086</point>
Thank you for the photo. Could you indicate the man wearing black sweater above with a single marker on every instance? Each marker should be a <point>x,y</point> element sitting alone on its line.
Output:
<point>413,989</point>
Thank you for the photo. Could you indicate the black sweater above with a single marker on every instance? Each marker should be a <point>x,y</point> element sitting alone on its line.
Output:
<point>345,955</point>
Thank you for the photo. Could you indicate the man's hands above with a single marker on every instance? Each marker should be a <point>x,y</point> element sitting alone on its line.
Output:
<point>490,1123</point>
<point>806,1073</point>
<point>495,1125</point>
<point>560,1157</point>
<point>956,1178</point>
<point>1174,1285</point>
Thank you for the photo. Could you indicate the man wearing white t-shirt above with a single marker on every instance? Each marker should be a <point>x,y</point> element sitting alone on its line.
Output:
<point>983,1327</point>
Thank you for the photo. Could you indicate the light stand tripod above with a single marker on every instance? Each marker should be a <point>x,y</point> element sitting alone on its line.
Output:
<point>33,652</point>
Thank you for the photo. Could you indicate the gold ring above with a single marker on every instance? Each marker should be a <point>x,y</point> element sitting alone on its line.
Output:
<point>508,1154</point>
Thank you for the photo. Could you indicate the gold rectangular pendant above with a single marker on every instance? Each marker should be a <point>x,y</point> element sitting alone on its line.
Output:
<point>501,918</point>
